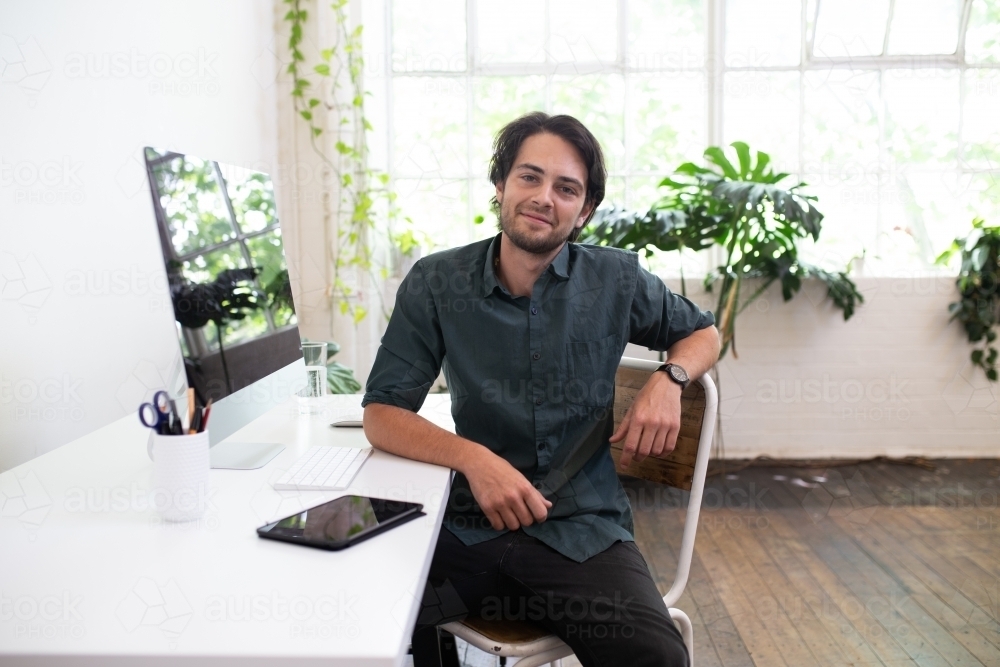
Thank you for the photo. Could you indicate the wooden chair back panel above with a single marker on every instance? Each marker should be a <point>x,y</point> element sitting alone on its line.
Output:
<point>676,469</point>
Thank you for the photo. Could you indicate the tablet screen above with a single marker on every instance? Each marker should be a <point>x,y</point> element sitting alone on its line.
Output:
<point>339,520</point>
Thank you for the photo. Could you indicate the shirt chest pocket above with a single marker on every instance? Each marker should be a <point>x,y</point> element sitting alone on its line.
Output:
<point>590,371</point>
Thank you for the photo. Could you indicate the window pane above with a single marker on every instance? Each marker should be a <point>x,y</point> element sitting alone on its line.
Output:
<point>583,31</point>
<point>667,118</point>
<point>982,38</point>
<point>840,123</point>
<point>644,191</point>
<point>205,268</point>
<point>266,256</point>
<point>666,33</point>
<point>921,211</point>
<point>252,196</point>
<point>762,109</point>
<point>849,203</point>
<point>597,101</point>
<point>924,26</point>
<point>982,198</point>
<point>428,36</point>
<point>437,208</point>
<point>760,34</point>
<point>614,191</point>
<point>482,192</point>
<point>921,117</point>
<point>429,126</point>
<point>192,202</point>
<point>511,31</point>
<point>981,120</point>
<point>850,28</point>
<point>497,101</point>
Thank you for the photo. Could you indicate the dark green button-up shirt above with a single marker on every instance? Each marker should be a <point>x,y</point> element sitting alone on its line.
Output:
<point>531,378</point>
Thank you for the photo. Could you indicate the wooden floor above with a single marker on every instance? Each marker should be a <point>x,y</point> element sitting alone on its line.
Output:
<point>872,564</point>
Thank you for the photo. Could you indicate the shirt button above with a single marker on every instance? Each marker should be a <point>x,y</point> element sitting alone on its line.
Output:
<point>538,401</point>
<point>534,311</point>
<point>541,446</point>
<point>536,356</point>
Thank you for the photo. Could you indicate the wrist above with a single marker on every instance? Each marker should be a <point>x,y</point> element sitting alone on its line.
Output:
<point>472,456</point>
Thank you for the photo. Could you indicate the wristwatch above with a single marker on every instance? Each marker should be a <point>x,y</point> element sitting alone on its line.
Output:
<point>677,374</point>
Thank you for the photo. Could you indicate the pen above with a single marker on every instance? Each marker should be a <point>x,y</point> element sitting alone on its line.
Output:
<point>208,411</point>
<point>196,421</point>
<point>192,408</point>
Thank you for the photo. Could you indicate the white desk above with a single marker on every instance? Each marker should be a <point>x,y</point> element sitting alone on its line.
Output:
<point>90,576</point>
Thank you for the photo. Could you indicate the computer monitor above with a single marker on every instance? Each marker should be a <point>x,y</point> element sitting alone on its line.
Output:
<point>229,285</point>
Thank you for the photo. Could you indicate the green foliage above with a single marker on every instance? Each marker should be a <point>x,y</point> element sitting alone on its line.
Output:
<point>360,188</point>
<point>739,206</point>
<point>978,309</point>
<point>192,196</point>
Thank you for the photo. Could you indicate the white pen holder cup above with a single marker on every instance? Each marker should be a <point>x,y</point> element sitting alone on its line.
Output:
<point>180,475</point>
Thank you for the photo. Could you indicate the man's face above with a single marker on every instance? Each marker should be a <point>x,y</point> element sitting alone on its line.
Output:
<point>543,199</point>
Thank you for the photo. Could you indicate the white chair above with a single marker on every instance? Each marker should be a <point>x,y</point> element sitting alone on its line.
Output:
<point>685,468</point>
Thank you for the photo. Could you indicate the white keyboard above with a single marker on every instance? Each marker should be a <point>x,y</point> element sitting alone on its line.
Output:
<point>323,468</point>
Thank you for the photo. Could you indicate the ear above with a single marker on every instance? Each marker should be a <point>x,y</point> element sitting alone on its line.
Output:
<point>584,214</point>
<point>499,187</point>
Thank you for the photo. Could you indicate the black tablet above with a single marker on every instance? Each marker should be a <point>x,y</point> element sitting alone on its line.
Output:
<point>342,522</point>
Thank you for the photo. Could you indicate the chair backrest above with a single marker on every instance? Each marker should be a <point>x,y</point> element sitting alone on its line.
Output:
<point>686,466</point>
<point>677,469</point>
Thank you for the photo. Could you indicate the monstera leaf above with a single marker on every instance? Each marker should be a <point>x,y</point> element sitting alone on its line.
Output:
<point>737,202</point>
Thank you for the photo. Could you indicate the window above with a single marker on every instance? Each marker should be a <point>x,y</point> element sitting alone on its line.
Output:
<point>213,218</point>
<point>887,108</point>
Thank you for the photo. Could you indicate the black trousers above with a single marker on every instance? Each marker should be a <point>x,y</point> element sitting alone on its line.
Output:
<point>607,608</point>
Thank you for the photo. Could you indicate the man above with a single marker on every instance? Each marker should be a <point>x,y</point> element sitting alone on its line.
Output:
<point>529,328</point>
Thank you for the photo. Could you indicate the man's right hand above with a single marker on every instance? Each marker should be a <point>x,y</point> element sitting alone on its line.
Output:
<point>506,496</point>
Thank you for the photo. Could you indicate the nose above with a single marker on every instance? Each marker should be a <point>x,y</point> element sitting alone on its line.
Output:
<point>543,196</point>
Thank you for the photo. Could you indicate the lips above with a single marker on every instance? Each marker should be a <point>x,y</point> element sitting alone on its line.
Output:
<point>536,217</point>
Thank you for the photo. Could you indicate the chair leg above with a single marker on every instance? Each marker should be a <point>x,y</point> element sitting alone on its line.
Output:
<point>687,632</point>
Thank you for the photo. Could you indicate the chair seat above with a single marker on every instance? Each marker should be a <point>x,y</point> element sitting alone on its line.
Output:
<point>506,632</point>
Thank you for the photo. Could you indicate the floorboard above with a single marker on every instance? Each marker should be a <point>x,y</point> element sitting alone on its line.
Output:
<point>866,564</point>
<point>870,564</point>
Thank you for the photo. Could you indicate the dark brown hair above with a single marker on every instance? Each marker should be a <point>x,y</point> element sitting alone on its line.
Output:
<point>508,142</point>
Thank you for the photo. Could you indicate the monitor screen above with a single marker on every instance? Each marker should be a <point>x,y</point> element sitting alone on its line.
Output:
<point>229,284</point>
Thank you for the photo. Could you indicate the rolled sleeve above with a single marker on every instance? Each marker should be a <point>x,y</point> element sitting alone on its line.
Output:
<point>412,350</point>
<point>658,317</point>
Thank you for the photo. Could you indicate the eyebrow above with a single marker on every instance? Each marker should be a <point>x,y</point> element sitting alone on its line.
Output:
<point>539,170</point>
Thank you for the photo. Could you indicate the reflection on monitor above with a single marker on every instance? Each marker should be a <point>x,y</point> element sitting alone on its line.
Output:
<point>232,299</point>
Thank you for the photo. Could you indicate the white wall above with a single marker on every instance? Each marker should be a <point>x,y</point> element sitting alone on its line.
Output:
<point>85,325</point>
<point>893,380</point>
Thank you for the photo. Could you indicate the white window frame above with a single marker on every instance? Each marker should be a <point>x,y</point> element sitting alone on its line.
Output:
<point>713,67</point>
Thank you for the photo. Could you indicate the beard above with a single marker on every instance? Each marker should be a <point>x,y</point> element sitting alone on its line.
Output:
<point>535,245</point>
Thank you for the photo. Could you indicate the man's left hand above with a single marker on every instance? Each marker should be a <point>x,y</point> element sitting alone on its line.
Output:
<point>651,425</point>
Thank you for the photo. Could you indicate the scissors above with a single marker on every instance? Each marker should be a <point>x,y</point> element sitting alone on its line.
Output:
<point>156,414</point>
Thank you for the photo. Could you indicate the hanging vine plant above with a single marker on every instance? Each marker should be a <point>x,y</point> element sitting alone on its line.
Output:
<point>978,283</point>
<point>360,188</point>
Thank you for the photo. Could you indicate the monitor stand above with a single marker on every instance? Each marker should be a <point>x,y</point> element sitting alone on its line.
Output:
<point>243,455</point>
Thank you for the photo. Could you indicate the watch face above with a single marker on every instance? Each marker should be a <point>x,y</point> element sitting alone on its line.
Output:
<point>678,373</point>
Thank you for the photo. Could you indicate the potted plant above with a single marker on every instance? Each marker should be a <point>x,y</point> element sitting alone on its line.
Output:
<point>978,309</point>
<point>229,297</point>
<point>741,207</point>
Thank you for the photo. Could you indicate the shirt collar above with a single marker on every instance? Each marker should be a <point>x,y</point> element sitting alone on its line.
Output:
<point>559,266</point>
<point>489,269</point>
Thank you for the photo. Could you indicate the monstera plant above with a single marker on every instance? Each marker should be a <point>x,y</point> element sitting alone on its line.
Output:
<point>740,205</point>
<point>229,297</point>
